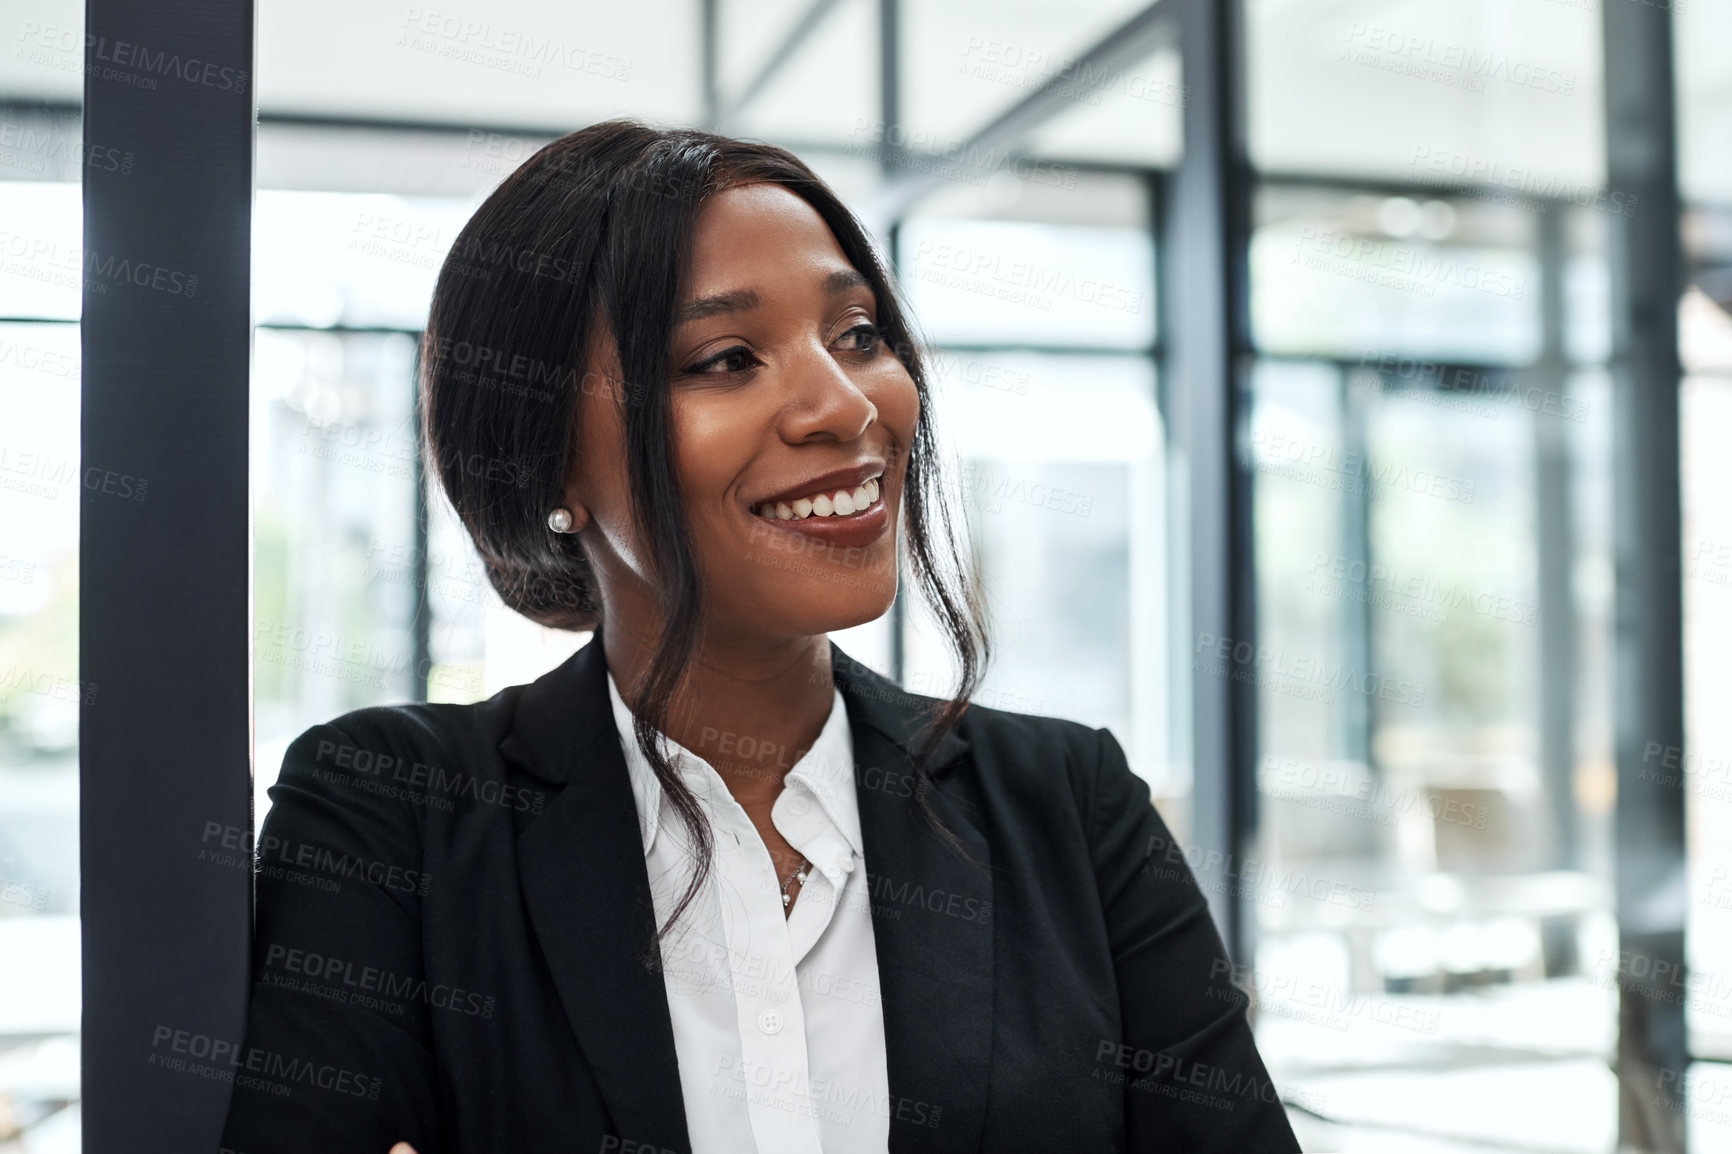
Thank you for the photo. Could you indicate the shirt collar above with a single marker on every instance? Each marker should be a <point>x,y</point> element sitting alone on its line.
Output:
<point>826,771</point>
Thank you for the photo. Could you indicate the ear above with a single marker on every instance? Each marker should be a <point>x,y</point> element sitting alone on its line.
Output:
<point>572,499</point>
<point>579,511</point>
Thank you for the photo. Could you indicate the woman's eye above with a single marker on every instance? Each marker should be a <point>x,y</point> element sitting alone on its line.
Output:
<point>867,336</point>
<point>735,360</point>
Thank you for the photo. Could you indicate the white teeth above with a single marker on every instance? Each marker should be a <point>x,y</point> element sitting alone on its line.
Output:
<point>841,503</point>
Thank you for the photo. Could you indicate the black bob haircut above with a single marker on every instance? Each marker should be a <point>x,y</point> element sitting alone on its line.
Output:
<point>595,229</point>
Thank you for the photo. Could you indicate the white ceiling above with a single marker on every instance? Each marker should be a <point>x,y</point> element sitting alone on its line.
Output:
<point>526,63</point>
<point>1314,106</point>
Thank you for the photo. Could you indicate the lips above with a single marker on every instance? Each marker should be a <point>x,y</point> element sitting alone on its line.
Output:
<point>837,502</point>
<point>836,514</point>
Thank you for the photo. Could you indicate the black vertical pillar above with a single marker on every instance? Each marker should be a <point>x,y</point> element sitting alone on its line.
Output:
<point>890,71</point>
<point>1353,715</point>
<point>1645,265</point>
<point>165,574</point>
<point>710,31</point>
<point>1555,556</point>
<point>421,624</point>
<point>1554,513</point>
<point>890,113</point>
<point>1207,234</point>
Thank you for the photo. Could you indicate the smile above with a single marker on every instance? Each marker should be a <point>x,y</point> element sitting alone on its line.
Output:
<point>840,504</point>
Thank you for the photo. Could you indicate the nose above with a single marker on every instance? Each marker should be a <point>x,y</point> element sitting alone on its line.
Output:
<point>823,402</point>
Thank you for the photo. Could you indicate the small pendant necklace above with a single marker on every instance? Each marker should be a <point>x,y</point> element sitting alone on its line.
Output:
<point>799,875</point>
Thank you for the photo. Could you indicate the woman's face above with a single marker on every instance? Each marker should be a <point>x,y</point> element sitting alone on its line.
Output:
<point>782,398</point>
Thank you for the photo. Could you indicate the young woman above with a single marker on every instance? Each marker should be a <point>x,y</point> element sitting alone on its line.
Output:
<point>711,885</point>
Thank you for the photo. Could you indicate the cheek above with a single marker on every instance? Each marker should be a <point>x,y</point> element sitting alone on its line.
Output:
<point>713,444</point>
<point>898,404</point>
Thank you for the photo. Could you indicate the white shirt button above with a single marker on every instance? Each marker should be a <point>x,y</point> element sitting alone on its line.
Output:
<point>734,975</point>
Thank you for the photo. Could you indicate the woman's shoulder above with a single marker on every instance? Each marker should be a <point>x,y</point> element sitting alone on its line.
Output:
<point>420,726</point>
<point>988,720</point>
<point>402,748</point>
<point>998,726</point>
<point>1032,752</point>
<point>997,736</point>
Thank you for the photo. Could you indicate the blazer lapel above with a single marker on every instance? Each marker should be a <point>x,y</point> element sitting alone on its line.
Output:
<point>931,919</point>
<point>586,886</point>
<point>931,908</point>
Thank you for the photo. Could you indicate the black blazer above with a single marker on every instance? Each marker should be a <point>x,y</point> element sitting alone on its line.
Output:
<point>450,900</point>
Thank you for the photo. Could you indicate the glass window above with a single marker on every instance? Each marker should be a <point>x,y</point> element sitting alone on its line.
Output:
<point>1033,282</point>
<point>1039,299</point>
<point>472,64</point>
<point>336,570</point>
<point>965,63</point>
<point>1058,470</point>
<point>1508,92</point>
<point>1338,272</point>
<point>1700,33</point>
<point>42,163</point>
<point>1430,452</point>
<point>1133,118</point>
<point>1419,838</point>
<point>352,259</point>
<point>825,94</point>
<point>1704,767</point>
<point>40,688</point>
<point>41,244</point>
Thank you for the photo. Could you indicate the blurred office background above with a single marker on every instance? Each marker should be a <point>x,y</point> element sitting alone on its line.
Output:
<point>1423,429</point>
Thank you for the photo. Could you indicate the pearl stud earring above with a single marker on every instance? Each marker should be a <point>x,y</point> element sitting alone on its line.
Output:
<point>559,520</point>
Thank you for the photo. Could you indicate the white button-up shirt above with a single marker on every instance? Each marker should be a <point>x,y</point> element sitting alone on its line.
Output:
<point>778,1022</point>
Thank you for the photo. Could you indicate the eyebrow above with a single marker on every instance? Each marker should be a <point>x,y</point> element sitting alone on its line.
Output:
<point>745,300</point>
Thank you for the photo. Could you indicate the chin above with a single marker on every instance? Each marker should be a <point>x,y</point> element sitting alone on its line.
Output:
<point>817,606</point>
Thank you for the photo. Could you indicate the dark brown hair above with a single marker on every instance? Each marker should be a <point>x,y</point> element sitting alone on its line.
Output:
<point>595,229</point>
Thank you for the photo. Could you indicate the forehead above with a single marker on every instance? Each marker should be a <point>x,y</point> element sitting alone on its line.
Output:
<point>758,225</point>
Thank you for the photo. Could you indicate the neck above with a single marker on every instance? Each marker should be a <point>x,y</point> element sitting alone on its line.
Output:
<point>750,707</point>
